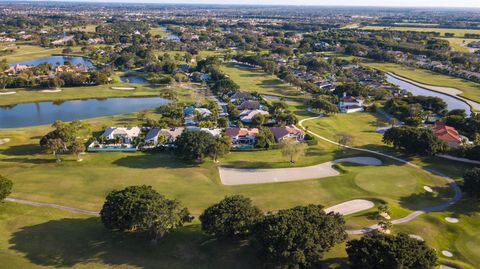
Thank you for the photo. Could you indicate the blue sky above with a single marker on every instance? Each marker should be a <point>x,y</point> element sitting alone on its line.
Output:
<point>403,3</point>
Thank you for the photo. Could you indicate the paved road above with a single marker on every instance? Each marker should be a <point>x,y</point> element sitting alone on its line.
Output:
<point>67,208</point>
<point>411,216</point>
<point>235,176</point>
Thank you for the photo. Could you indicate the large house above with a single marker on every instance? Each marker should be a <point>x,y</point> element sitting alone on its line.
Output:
<point>127,134</point>
<point>241,96</point>
<point>247,115</point>
<point>448,134</point>
<point>290,131</point>
<point>350,104</point>
<point>250,105</point>
<point>170,135</point>
<point>242,137</point>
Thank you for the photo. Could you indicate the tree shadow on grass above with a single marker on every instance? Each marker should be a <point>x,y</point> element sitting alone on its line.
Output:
<point>417,201</point>
<point>154,160</point>
<point>17,150</point>
<point>68,242</point>
<point>337,263</point>
<point>28,160</point>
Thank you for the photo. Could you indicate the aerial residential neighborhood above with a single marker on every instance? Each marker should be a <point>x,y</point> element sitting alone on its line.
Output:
<point>240,134</point>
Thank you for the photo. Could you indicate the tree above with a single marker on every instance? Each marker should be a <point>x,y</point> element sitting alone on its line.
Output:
<point>343,139</point>
<point>233,217</point>
<point>385,225</point>
<point>292,148</point>
<point>4,81</point>
<point>298,237</point>
<point>264,138</point>
<point>258,119</point>
<point>321,104</point>
<point>142,209</point>
<point>55,83</point>
<point>221,147</point>
<point>384,211</point>
<point>56,146</point>
<point>471,185</point>
<point>5,187</point>
<point>194,145</point>
<point>376,250</point>
<point>67,132</point>
<point>414,140</point>
<point>222,122</point>
<point>77,148</point>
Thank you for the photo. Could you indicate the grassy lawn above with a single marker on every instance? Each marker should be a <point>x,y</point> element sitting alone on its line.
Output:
<point>471,90</point>
<point>460,44</point>
<point>27,52</point>
<point>442,31</point>
<point>254,79</point>
<point>100,91</point>
<point>158,31</point>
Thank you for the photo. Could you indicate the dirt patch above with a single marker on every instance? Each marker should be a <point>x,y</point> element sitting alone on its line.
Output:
<point>4,140</point>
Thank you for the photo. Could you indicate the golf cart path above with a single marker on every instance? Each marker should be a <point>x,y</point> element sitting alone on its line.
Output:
<point>411,216</point>
<point>238,176</point>
<point>66,208</point>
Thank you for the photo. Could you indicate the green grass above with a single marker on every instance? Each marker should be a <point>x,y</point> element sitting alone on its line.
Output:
<point>460,44</point>
<point>27,52</point>
<point>254,79</point>
<point>470,90</point>
<point>158,31</point>
<point>442,31</point>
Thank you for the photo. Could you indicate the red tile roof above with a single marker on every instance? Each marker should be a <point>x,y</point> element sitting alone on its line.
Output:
<point>241,132</point>
<point>281,132</point>
<point>446,133</point>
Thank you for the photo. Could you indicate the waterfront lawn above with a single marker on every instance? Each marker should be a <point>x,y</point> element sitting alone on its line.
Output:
<point>255,80</point>
<point>460,44</point>
<point>27,52</point>
<point>471,90</point>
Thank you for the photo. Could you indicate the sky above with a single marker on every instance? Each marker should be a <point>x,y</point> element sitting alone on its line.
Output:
<point>392,3</point>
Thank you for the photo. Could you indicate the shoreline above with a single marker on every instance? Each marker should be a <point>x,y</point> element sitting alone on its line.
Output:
<point>452,92</point>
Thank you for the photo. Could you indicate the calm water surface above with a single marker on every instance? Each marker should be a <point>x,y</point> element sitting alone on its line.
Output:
<point>58,60</point>
<point>30,114</point>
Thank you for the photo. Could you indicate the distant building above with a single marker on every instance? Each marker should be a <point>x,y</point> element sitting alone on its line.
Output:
<point>247,115</point>
<point>284,132</point>
<point>242,137</point>
<point>447,134</point>
<point>127,134</point>
<point>350,104</point>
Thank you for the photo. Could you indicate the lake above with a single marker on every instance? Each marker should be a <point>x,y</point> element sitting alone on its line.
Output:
<point>58,60</point>
<point>41,113</point>
<point>453,103</point>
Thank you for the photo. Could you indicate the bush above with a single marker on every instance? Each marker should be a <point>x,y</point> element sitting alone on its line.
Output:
<point>5,187</point>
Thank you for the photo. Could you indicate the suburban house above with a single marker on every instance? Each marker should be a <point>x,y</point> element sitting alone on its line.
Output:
<point>247,115</point>
<point>212,131</point>
<point>242,137</point>
<point>249,104</point>
<point>127,134</point>
<point>351,104</point>
<point>289,131</point>
<point>204,113</point>
<point>241,96</point>
<point>448,134</point>
<point>189,118</point>
<point>170,135</point>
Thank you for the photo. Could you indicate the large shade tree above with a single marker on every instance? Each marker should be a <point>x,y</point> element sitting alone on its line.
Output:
<point>195,145</point>
<point>471,185</point>
<point>5,187</point>
<point>298,237</point>
<point>142,209</point>
<point>233,217</point>
<point>381,251</point>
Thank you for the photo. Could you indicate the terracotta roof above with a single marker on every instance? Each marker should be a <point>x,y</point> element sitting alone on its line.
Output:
<point>281,132</point>
<point>446,133</point>
<point>241,131</point>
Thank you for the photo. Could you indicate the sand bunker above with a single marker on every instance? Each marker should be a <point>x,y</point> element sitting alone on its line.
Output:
<point>351,207</point>
<point>4,140</point>
<point>123,88</point>
<point>451,220</point>
<point>447,253</point>
<point>51,91</point>
<point>427,189</point>
<point>418,237</point>
<point>7,93</point>
<point>234,176</point>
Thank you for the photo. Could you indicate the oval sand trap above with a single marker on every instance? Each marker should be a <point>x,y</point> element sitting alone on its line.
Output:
<point>351,207</point>
<point>123,88</point>
<point>51,91</point>
<point>418,237</point>
<point>427,189</point>
<point>7,93</point>
<point>447,253</point>
<point>4,140</point>
<point>451,220</point>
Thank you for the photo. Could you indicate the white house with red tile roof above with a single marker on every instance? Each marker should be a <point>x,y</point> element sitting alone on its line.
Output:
<point>350,104</point>
<point>447,133</point>
<point>242,136</point>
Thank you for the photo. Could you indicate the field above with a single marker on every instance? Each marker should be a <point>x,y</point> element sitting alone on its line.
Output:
<point>254,79</point>
<point>471,90</point>
<point>442,31</point>
<point>158,31</point>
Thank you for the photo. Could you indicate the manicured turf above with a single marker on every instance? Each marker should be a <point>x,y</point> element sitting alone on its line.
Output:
<point>27,52</point>
<point>471,90</point>
<point>442,31</point>
<point>254,79</point>
<point>460,44</point>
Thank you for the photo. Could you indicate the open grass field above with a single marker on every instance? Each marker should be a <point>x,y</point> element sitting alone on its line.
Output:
<point>27,52</point>
<point>184,93</point>
<point>158,31</point>
<point>442,31</point>
<point>254,79</point>
<point>471,90</point>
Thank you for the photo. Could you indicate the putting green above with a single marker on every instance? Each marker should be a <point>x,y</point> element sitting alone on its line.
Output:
<point>390,180</point>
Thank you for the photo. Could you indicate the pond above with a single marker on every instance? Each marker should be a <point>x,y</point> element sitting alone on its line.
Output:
<point>453,103</point>
<point>134,79</point>
<point>30,114</point>
<point>58,60</point>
